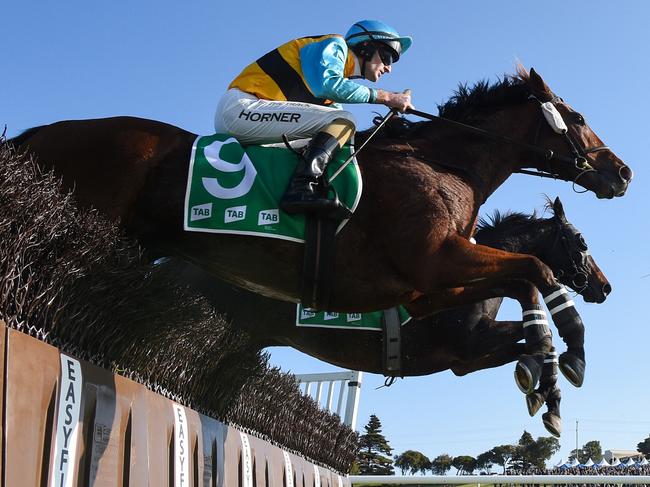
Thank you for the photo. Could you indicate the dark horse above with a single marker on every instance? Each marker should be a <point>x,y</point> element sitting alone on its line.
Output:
<point>465,339</point>
<point>407,243</point>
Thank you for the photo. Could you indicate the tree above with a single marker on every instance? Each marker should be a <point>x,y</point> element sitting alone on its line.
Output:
<point>502,455</point>
<point>485,460</point>
<point>542,449</point>
<point>523,450</point>
<point>591,449</point>
<point>441,464</point>
<point>413,462</point>
<point>464,464</point>
<point>374,457</point>
<point>644,447</point>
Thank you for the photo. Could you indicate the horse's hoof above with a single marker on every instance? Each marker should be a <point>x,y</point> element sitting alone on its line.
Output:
<point>528,372</point>
<point>534,401</point>
<point>573,368</point>
<point>552,423</point>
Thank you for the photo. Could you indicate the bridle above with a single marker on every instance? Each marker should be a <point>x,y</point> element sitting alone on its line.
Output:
<point>578,154</point>
<point>579,274</point>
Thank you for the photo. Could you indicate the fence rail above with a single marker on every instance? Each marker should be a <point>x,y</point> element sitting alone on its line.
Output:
<point>349,382</point>
<point>498,479</point>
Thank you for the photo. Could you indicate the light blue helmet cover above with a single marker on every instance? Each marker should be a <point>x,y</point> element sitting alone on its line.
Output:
<point>374,30</point>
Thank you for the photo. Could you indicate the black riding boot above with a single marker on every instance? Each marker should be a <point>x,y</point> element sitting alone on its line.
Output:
<point>305,193</point>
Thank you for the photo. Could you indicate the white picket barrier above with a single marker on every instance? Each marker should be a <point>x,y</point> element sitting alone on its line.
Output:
<point>349,391</point>
<point>478,480</point>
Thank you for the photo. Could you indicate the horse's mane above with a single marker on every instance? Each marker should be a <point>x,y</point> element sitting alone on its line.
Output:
<point>500,222</point>
<point>21,138</point>
<point>467,104</point>
<point>471,104</point>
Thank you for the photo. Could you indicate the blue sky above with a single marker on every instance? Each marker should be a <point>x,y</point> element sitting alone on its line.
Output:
<point>171,61</point>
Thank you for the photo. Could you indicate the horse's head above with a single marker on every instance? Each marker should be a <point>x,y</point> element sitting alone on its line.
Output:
<point>579,155</point>
<point>568,256</point>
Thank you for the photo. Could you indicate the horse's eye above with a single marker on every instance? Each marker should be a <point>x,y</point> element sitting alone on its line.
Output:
<point>582,245</point>
<point>579,119</point>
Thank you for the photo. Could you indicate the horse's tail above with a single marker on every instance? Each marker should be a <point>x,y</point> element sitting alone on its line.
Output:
<point>24,136</point>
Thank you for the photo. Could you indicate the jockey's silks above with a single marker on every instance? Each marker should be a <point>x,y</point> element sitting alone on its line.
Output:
<point>309,69</point>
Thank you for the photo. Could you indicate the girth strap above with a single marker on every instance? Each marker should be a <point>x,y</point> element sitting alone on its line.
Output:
<point>392,358</point>
<point>318,263</point>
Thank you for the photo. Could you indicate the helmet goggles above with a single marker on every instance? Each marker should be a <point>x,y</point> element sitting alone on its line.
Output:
<point>387,53</point>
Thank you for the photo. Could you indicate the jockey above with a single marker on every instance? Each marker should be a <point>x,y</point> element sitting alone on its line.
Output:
<point>296,90</point>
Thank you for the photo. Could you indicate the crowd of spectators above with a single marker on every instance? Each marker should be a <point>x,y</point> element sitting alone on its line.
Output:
<point>635,470</point>
<point>618,470</point>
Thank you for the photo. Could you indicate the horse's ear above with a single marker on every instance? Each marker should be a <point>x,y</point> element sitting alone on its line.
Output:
<point>537,85</point>
<point>558,209</point>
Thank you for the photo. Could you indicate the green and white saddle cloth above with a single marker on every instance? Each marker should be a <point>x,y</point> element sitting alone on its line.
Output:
<point>349,321</point>
<point>236,189</point>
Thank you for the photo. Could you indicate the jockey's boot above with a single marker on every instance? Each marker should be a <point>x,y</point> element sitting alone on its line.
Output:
<point>306,193</point>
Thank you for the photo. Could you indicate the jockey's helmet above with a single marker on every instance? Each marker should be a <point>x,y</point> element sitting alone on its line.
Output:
<point>367,36</point>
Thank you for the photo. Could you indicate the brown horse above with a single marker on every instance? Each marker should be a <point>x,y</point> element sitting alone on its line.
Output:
<point>408,240</point>
<point>465,339</point>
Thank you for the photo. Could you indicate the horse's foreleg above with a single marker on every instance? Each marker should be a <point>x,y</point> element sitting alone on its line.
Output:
<point>459,263</point>
<point>570,327</point>
<point>537,335</point>
<point>535,327</point>
<point>469,263</point>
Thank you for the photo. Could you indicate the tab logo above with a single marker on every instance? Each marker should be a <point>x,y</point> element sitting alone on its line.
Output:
<point>331,316</point>
<point>306,314</point>
<point>234,214</point>
<point>201,212</point>
<point>353,317</point>
<point>268,217</point>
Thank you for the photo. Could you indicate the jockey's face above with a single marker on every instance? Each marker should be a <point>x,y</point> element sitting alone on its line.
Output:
<point>375,68</point>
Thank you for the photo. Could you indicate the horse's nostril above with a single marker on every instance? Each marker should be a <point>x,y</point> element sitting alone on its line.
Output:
<point>626,174</point>
<point>607,289</point>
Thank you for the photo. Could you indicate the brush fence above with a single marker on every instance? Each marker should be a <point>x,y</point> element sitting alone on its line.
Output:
<point>69,423</point>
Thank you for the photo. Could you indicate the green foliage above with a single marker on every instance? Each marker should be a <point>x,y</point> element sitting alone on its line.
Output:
<point>502,455</point>
<point>464,464</point>
<point>374,457</point>
<point>530,452</point>
<point>542,449</point>
<point>412,461</point>
<point>591,449</point>
<point>644,447</point>
<point>441,464</point>
<point>485,460</point>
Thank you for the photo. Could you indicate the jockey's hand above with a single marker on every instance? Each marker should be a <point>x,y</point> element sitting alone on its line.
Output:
<point>399,101</point>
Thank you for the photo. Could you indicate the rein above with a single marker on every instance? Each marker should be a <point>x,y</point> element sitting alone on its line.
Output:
<point>578,158</point>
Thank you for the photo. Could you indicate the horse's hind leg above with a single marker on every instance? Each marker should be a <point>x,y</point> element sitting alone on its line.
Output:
<point>571,329</point>
<point>494,345</point>
<point>551,418</point>
<point>548,392</point>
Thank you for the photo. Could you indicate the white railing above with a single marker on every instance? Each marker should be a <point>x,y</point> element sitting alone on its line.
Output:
<point>498,479</point>
<point>349,391</point>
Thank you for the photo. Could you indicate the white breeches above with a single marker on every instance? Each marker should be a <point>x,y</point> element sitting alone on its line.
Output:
<point>253,120</point>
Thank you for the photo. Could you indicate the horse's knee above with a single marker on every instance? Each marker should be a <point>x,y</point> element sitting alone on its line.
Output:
<point>541,274</point>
